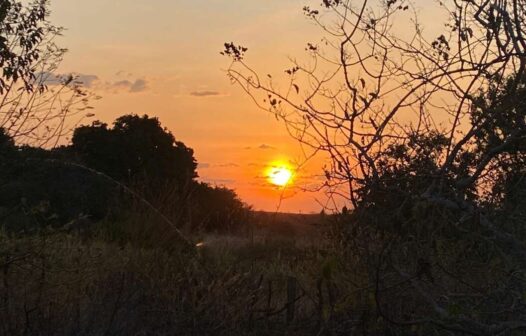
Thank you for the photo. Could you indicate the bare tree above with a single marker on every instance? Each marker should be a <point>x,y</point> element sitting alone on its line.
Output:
<point>37,105</point>
<point>418,127</point>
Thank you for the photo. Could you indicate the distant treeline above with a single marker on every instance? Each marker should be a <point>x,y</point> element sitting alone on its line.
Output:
<point>111,172</point>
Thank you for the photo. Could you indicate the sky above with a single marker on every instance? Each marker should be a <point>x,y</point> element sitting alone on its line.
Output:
<point>161,58</point>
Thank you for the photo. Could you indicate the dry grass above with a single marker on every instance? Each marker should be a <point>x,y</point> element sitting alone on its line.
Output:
<point>53,283</point>
<point>60,284</point>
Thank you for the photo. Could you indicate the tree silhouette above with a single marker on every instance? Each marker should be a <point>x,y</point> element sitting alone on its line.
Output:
<point>6,142</point>
<point>37,105</point>
<point>145,159</point>
<point>217,209</point>
<point>136,150</point>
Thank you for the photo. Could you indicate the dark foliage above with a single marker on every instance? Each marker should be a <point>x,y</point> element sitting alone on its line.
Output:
<point>136,150</point>
<point>6,143</point>
<point>38,105</point>
<point>425,135</point>
<point>27,27</point>
<point>112,173</point>
<point>217,209</point>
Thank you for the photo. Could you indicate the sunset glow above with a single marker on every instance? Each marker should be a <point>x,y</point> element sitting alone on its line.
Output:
<point>171,68</point>
<point>243,167</point>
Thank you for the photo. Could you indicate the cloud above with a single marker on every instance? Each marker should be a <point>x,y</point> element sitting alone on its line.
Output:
<point>49,78</point>
<point>122,84</point>
<point>227,165</point>
<point>87,80</point>
<point>222,165</point>
<point>139,85</point>
<point>219,181</point>
<point>93,81</point>
<point>205,93</point>
<point>266,147</point>
<point>122,73</point>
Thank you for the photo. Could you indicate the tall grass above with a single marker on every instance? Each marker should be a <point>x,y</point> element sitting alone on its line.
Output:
<point>56,283</point>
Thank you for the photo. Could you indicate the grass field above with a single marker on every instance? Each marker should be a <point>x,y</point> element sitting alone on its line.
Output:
<point>265,283</point>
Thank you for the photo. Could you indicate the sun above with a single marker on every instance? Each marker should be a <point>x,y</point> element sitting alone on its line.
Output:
<point>279,175</point>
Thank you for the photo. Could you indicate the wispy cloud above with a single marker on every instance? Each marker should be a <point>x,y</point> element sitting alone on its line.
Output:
<point>85,80</point>
<point>94,82</point>
<point>221,165</point>
<point>205,93</point>
<point>266,147</point>
<point>122,73</point>
<point>219,181</point>
<point>228,165</point>
<point>139,85</point>
<point>122,84</point>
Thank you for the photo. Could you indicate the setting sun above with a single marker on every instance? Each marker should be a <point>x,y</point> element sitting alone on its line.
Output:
<point>279,175</point>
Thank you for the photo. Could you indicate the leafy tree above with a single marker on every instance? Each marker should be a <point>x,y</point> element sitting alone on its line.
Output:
<point>136,150</point>
<point>503,110</point>
<point>217,209</point>
<point>139,152</point>
<point>37,106</point>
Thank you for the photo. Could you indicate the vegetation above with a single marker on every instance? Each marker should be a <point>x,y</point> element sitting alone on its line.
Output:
<point>117,173</point>
<point>136,150</point>
<point>426,135</point>
<point>37,105</point>
<point>113,234</point>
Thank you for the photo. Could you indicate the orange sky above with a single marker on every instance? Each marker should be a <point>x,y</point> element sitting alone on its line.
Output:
<point>161,57</point>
